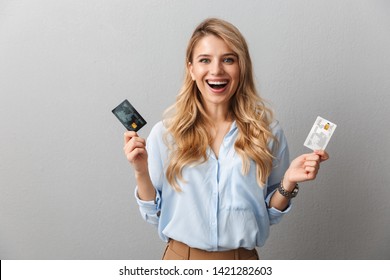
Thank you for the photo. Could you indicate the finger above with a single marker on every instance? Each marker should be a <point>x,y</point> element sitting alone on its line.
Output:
<point>128,135</point>
<point>141,140</point>
<point>301,158</point>
<point>137,139</point>
<point>311,175</point>
<point>311,169</point>
<point>311,163</point>
<point>137,152</point>
<point>313,157</point>
<point>323,155</point>
<point>133,140</point>
<point>134,143</point>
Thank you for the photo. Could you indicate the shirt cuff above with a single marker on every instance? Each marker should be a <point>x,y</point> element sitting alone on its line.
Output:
<point>275,215</point>
<point>150,210</point>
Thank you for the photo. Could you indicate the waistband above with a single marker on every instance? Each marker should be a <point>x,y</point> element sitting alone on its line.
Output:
<point>177,250</point>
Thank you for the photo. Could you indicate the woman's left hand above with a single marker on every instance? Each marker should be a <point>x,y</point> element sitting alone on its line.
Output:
<point>305,167</point>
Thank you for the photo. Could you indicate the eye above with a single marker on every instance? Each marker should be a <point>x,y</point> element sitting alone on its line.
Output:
<point>229,60</point>
<point>204,60</point>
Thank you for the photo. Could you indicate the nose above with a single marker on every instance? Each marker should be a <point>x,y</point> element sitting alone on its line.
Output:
<point>216,68</point>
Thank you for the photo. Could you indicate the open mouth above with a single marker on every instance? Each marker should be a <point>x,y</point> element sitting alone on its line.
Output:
<point>217,84</point>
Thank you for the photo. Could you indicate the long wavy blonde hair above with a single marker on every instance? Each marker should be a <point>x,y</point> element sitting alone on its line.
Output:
<point>188,124</point>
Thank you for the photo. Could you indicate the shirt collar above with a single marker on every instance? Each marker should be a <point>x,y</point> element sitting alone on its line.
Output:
<point>233,128</point>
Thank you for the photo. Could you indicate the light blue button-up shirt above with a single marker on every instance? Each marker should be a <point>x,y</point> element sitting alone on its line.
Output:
<point>219,208</point>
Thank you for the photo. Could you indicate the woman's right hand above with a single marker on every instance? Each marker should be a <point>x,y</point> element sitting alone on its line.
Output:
<point>135,151</point>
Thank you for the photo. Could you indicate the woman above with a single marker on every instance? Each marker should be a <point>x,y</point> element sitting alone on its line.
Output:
<point>215,174</point>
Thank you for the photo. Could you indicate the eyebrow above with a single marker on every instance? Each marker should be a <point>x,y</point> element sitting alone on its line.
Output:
<point>225,54</point>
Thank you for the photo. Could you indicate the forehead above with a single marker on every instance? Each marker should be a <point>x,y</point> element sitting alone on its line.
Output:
<point>211,45</point>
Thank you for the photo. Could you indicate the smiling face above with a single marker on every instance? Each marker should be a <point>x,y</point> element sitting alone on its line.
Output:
<point>215,70</point>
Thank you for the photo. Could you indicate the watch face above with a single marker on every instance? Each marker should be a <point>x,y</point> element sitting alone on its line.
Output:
<point>295,191</point>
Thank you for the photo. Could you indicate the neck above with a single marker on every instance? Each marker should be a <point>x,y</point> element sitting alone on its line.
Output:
<point>219,115</point>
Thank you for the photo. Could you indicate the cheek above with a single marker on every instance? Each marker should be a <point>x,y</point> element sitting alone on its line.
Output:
<point>193,71</point>
<point>194,74</point>
<point>237,77</point>
<point>200,85</point>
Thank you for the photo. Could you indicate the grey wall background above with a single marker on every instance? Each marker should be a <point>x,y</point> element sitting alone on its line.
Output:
<point>66,189</point>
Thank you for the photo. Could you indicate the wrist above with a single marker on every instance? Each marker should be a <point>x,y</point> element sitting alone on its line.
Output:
<point>284,191</point>
<point>139,175</point>
<point>288,184</point>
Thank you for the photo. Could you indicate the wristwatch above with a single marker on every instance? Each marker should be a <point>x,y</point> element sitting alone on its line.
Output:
<point>286,193</point>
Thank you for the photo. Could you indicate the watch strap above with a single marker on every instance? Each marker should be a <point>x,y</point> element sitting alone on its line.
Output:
<point>286,193</point>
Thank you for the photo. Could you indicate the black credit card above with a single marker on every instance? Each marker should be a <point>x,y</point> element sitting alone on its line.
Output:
<point>128,116</point>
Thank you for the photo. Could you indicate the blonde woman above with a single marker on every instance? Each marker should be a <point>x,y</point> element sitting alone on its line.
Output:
<point>215,173</point>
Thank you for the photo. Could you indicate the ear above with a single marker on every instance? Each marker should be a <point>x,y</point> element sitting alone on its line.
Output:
<point>190,69</point>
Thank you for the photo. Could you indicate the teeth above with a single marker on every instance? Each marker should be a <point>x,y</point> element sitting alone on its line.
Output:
<point>217,83</point>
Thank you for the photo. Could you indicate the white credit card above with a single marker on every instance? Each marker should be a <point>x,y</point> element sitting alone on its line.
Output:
<point>320,134</point>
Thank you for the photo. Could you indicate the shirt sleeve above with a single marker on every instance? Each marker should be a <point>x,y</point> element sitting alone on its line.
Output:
<point>150,210</point>
<point>280,165</point>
